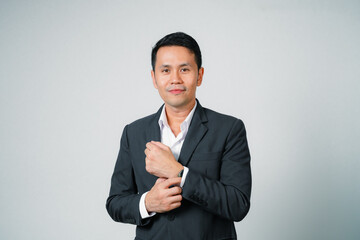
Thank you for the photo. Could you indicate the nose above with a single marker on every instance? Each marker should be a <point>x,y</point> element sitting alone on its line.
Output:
<point>175,78</point>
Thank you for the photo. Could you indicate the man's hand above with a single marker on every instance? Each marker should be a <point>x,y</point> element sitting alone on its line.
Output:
<point>160,161</point>
<point>161,198</point>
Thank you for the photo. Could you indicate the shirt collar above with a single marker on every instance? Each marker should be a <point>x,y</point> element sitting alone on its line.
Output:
<point>184,125</point>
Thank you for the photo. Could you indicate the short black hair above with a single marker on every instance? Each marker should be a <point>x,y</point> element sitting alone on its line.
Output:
<point>177,39</point>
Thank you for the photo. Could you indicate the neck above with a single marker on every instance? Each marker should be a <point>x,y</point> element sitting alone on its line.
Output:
<point>175,116</point>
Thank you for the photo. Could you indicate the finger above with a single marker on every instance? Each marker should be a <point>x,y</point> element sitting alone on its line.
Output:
<point>175,199</point>
<point>160,180</point>
<point>153,147</point>
<point>146,151</point>
<point>171,203</point>
<point>148,145</point>
<point>175,205</point>
<point>147,165</point>
<point>174,191</point>
<point>171,181</point>
<point>160,145</point>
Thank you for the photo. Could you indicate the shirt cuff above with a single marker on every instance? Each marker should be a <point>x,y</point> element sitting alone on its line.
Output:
<point>186,170</point>
<point>143,212</point>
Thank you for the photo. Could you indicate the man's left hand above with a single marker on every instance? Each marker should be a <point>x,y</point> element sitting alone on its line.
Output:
<point>160,161</point>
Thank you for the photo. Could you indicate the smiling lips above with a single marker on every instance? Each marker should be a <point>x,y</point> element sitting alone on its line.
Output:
<point>176,90</point>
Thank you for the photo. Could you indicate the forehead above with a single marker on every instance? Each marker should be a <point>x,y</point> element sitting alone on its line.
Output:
<point>174,54</point>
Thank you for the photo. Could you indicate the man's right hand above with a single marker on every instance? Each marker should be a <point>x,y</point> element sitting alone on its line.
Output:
<point>163,198</point>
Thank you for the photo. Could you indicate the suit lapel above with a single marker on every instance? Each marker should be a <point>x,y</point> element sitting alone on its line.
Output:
<point>152,134</point>
<point>153,130</point>
<point>196,132</point>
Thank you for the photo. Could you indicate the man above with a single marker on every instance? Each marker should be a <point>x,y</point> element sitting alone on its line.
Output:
<point>183,172</point>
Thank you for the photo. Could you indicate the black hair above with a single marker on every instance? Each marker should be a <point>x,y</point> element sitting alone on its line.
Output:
<point>177,39</point>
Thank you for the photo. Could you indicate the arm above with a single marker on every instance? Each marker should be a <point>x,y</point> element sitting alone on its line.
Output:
<point>165,195</point>
<point>123,201</point>
<point>228,197</point>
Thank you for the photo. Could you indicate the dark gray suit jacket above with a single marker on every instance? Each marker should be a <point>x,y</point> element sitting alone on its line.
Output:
<point>217,188</point>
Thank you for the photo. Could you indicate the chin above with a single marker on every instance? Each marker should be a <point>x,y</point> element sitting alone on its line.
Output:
<point>177,103</point>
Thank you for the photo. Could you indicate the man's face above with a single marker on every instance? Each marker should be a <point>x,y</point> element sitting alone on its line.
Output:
<point>176,76</point>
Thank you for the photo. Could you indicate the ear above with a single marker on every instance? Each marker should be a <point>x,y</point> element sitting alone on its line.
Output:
<point>200,77</point>
<point>153,79</point>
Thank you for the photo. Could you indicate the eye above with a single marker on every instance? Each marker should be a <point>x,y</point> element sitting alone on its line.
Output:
<point>185,70</point>
<point>165,70</point>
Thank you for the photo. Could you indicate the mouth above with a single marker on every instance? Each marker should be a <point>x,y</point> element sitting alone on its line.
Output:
<point>176,91</point>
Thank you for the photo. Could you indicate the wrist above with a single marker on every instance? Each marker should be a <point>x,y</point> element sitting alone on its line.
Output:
<point>146,204</point>
<point>177,170</point>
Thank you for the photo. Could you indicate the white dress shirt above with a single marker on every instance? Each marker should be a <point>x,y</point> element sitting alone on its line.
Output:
<point>175,143</point>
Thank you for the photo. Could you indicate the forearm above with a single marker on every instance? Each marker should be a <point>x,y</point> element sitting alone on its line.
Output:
<point>125,209</point>
<point>228,201</point>
<point>123,201</point>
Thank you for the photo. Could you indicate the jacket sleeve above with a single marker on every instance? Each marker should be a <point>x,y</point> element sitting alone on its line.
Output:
<point>123,201</point>
<point>229,196</point>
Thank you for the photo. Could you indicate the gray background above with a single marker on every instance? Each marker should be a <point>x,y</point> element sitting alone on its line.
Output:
<point>73,73</point>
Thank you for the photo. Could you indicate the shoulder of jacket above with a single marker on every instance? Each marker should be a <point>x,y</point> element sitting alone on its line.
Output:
<point>214,115</point>
<point>145,121</point>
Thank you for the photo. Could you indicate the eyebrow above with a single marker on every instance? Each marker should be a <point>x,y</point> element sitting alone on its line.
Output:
<point>185,64</point>
<point>181,65</point>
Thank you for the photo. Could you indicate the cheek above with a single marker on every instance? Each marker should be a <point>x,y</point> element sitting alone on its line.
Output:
<point>192,86</point>
<point>162,87</point>
<point>160,83</point>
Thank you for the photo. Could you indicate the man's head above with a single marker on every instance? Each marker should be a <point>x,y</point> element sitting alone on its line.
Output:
<point>177,72</point>
<point>177,39</point>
